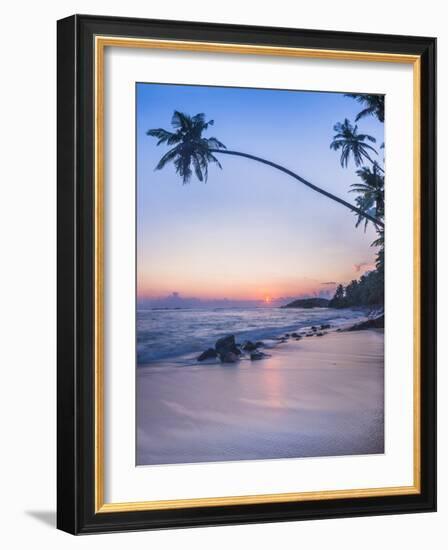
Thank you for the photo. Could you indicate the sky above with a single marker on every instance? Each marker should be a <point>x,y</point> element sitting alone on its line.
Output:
<point>251,233</point>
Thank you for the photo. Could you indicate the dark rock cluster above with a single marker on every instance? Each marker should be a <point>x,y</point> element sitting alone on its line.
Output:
<point>228,351</point>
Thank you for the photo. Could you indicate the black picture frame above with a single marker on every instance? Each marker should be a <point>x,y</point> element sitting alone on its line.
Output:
<point>76,259</point>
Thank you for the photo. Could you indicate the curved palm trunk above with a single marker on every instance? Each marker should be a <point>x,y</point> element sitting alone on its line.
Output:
<point>304,181</point>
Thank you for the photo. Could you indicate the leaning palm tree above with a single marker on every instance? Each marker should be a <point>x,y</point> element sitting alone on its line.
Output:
<point>192,151</point>
<point>371,192</point>
<point>351,143</point>
<point>373,105</point>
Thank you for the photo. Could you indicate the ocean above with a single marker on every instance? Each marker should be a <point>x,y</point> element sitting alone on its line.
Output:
<point>182,334</point>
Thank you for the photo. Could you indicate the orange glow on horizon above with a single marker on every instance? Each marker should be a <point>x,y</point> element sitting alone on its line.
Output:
<point>203,288</point>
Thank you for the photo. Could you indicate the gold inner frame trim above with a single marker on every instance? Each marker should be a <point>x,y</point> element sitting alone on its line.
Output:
<point>101,42</point>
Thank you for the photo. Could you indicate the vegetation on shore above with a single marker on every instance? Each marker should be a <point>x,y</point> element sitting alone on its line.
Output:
<point>308,303</point>
<point>368,290</point>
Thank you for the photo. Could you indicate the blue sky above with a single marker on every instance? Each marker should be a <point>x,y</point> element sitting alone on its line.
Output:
<point>250,232</point>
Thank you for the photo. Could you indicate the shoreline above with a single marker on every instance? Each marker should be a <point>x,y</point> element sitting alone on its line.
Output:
<point>312,397</point>
<point>260,349</point>
<point>233,347</point>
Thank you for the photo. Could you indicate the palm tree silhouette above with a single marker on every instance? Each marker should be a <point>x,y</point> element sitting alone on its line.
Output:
<point>191,148</point>
<point>373,105</point>
<point>371,192</point>
<point>350,142</point>
<point>379,242</point>
<point>192,151</point>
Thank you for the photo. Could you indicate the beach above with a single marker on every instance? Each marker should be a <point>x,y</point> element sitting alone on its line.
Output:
<point>313,397</point>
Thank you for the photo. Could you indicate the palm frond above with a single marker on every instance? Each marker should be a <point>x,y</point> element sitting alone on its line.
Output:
<point>181,121</point>
<point>366,136</point>
<point>380,240</point>
<point>199,120</point>
<point>212,158</point>
<point>336,144</point>
<point>183,168</point>
<point>373,105</point>
<point>215,143</point>
<point>197,167</point>
<point>162,135</point>
<point>167,157</point>
<point>365,112</point>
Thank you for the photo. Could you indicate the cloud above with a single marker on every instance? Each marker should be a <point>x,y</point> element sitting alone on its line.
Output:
<point>363,266</point>
<point>329,283</point>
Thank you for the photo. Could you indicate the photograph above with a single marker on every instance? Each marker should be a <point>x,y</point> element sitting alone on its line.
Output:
<point>260,254</point>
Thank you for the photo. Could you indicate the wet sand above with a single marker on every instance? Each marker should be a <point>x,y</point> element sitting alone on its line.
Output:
<point>320,396</point>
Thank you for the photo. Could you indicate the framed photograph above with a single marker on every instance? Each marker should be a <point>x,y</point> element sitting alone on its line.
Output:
<point>246,274</point>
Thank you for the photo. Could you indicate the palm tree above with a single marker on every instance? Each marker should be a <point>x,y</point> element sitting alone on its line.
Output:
<point>371,190</point>
<point>379,242</point>
<point>373,105</point>
<point>350,142</point>
<point>191,149</point>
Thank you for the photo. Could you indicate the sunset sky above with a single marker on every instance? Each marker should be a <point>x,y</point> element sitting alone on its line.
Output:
<point>250,232</point>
